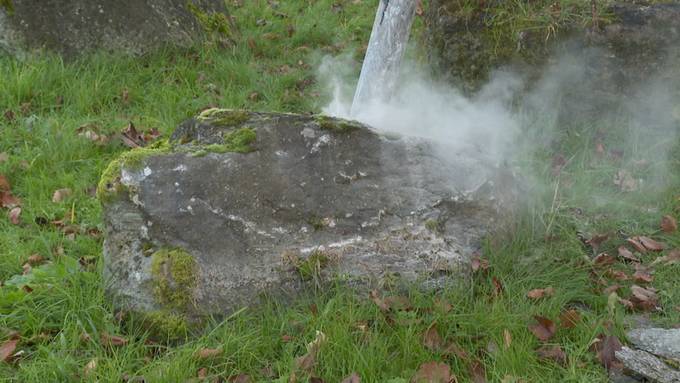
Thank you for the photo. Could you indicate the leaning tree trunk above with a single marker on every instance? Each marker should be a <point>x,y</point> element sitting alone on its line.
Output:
<point>386,48</point>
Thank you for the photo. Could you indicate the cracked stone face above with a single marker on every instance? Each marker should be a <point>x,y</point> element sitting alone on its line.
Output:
<point>302,206</point>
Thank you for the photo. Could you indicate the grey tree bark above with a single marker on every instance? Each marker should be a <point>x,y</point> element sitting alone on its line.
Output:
<point>386,47</point>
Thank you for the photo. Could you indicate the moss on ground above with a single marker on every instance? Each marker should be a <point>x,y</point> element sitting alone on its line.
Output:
<point>175,275</point>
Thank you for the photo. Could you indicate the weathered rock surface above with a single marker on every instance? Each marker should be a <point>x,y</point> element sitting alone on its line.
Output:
<point>658,341</point>
<point>71,27</point>
<point>632,44</point>
<point>647,366</point>
<point>241,204</point>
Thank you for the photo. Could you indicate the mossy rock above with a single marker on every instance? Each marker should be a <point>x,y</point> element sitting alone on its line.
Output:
<point>175,275</point>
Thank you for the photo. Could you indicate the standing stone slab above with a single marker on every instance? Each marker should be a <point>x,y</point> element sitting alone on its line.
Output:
<point>71,27</point>
<point>240,204</point>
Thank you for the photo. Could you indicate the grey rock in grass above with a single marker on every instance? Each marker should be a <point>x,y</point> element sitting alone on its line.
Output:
<point>648,366</point>
<point>658,341</point>
<point>627,46</point>
<point>241,205</point>
<point>72,27</point>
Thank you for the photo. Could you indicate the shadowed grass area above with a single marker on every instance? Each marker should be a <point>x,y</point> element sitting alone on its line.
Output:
<point>65,323</point>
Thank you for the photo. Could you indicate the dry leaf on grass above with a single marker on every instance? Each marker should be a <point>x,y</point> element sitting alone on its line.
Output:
<point>552,353</point>
<point>540,293</point>
<point>642,274</point>
<point>206,353</point>
<point>7,348</point>
<point>570,318</point>
<point>477,372</point>
<point>113,340</point>
<point>354,378</point>
<point>644,299</point>
<point>668,224</point>
<point>14,216</point>
<point>507,338</point>
<point>627,254</point>
<point>544,329</point>
<point>433,372</point>
<point>603,260</point>
<point>61,194</point>
<point>431,339</point>
<point>605,348</point>
<point>307,361</point>
<point>479,263</point>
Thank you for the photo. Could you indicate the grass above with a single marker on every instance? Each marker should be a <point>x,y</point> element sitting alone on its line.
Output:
<point>62,321</point>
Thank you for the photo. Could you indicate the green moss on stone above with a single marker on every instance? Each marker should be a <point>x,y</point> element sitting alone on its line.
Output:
<point>224,117</point>
<point>165,325</point>
<point>8,5</point>
<point>311,267</point>
<point>433,225</point>
<point>109,186</point>
<point>238,141</point>
<point>337,125</point>
<point>175,275</point>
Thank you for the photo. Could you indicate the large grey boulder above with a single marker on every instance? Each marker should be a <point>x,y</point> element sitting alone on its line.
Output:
<point>627,45</point>
<point>239,204</point>
<point>71,27</point>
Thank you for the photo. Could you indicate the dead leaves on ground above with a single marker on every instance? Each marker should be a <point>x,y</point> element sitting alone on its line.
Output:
<point>540,293</point>
<point>543,329</point>
<point>434,372</point>
<point>668,224</point>
<point>605,348</point>
<point>8,347</point>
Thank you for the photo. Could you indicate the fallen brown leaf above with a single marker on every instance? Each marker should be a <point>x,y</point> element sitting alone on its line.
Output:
<point>307,361</point>
<point>4,157</point>
<point>570,318</point>
<point>14,215</point>
<point>642,274</point>
<point>90,367</point>
<point>497,287</point>
<point>431,338</point>
<point>4,184</point>
<point>442,305</point>
<point>540,293</point>
<point>7,348</point>
<point>635,242</point>
<point>544,329</point>
<point>26,269</point>
<point>627,254</point>
<point>618,275</point>
<point>35,259</point>
<point>61,194</point>
<point>113,340</point>
<point>477,372</point>
<point>651,244</point>
<point>433,372</point>
<point>605,348</point>
<point>644,298</point>
<point>552,353</point>
<point>603,260</point>
<point>202,373</point>
<point>207,353</point>
<point>354,378</point>
<point>668,224</point>
<point>597,240</point>
<point>507,338</point>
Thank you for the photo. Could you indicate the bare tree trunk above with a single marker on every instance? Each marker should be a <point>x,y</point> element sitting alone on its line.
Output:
<point>386,47</point>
